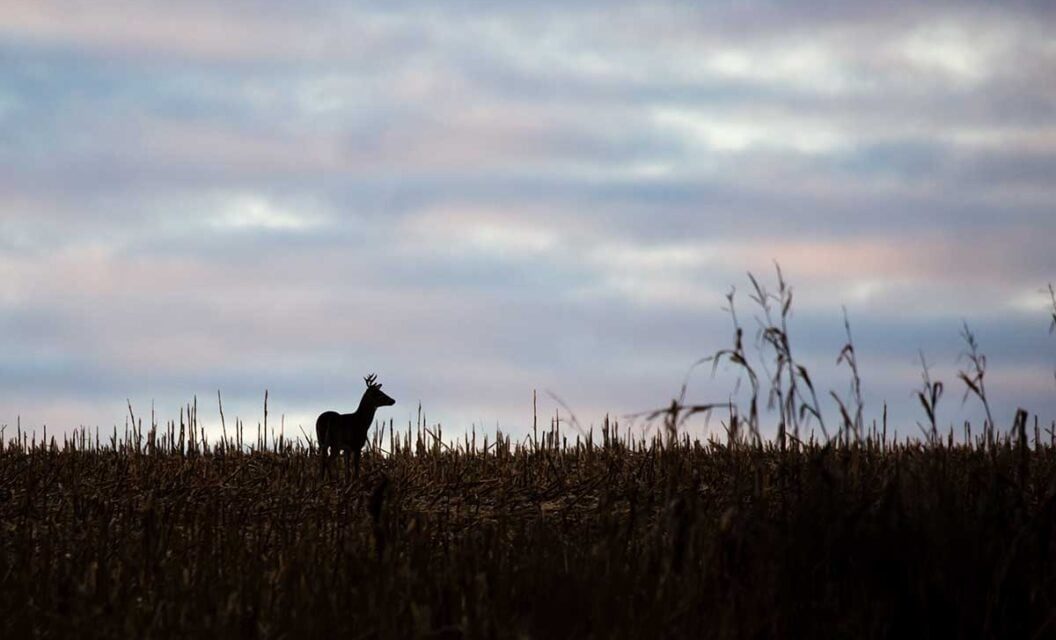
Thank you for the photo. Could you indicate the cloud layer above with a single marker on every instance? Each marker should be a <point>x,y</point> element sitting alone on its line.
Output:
<point>478,201</point>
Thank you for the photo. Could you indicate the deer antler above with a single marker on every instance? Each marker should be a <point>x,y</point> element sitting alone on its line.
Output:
<point>370,380</point>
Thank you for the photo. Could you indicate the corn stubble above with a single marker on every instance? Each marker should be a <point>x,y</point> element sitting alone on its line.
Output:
<point>605,533</point>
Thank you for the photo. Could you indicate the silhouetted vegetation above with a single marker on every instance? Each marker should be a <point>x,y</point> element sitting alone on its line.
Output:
<point>611,538</point>
<point>565,533</point>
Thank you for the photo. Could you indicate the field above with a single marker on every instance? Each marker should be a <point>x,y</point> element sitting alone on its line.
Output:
<point>604,537</point>
<point>568,532</point>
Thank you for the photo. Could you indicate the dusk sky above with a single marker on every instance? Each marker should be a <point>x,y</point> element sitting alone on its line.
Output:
<point>475,200</point>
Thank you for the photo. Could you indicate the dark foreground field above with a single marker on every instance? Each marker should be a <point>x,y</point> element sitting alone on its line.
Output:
<point>604,540</point>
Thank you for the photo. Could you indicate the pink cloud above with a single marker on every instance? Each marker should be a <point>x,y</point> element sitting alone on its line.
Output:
<point>189,29</point>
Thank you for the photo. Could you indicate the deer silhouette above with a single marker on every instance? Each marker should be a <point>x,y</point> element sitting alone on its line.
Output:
<point>347,432</point>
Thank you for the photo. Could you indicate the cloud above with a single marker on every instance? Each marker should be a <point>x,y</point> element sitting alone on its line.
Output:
<point>479,204</point>
<point>196,30</point>
<point>250,212</point>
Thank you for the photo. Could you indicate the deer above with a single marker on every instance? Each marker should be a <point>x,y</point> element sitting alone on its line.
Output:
<point>347,432</point>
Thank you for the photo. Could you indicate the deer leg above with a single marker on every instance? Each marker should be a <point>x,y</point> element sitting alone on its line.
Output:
<point>347,464</point>
<point>355,456</point>
<point>324,452</point>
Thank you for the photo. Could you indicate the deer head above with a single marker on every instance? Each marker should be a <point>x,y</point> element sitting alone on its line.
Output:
<point>374,395</point>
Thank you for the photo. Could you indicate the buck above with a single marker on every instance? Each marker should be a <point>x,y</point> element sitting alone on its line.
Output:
<point>347,432</point>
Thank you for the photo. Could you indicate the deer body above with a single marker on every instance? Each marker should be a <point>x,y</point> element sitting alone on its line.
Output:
<point>347,432</point>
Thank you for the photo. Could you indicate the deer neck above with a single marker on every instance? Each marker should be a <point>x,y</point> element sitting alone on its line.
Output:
<point>366,410</point>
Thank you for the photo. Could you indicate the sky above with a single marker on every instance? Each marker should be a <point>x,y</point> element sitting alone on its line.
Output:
<point>478,200</point>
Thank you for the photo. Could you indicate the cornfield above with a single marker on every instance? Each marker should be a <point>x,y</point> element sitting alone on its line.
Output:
<point>618,537</point>
<point>607,533</point>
